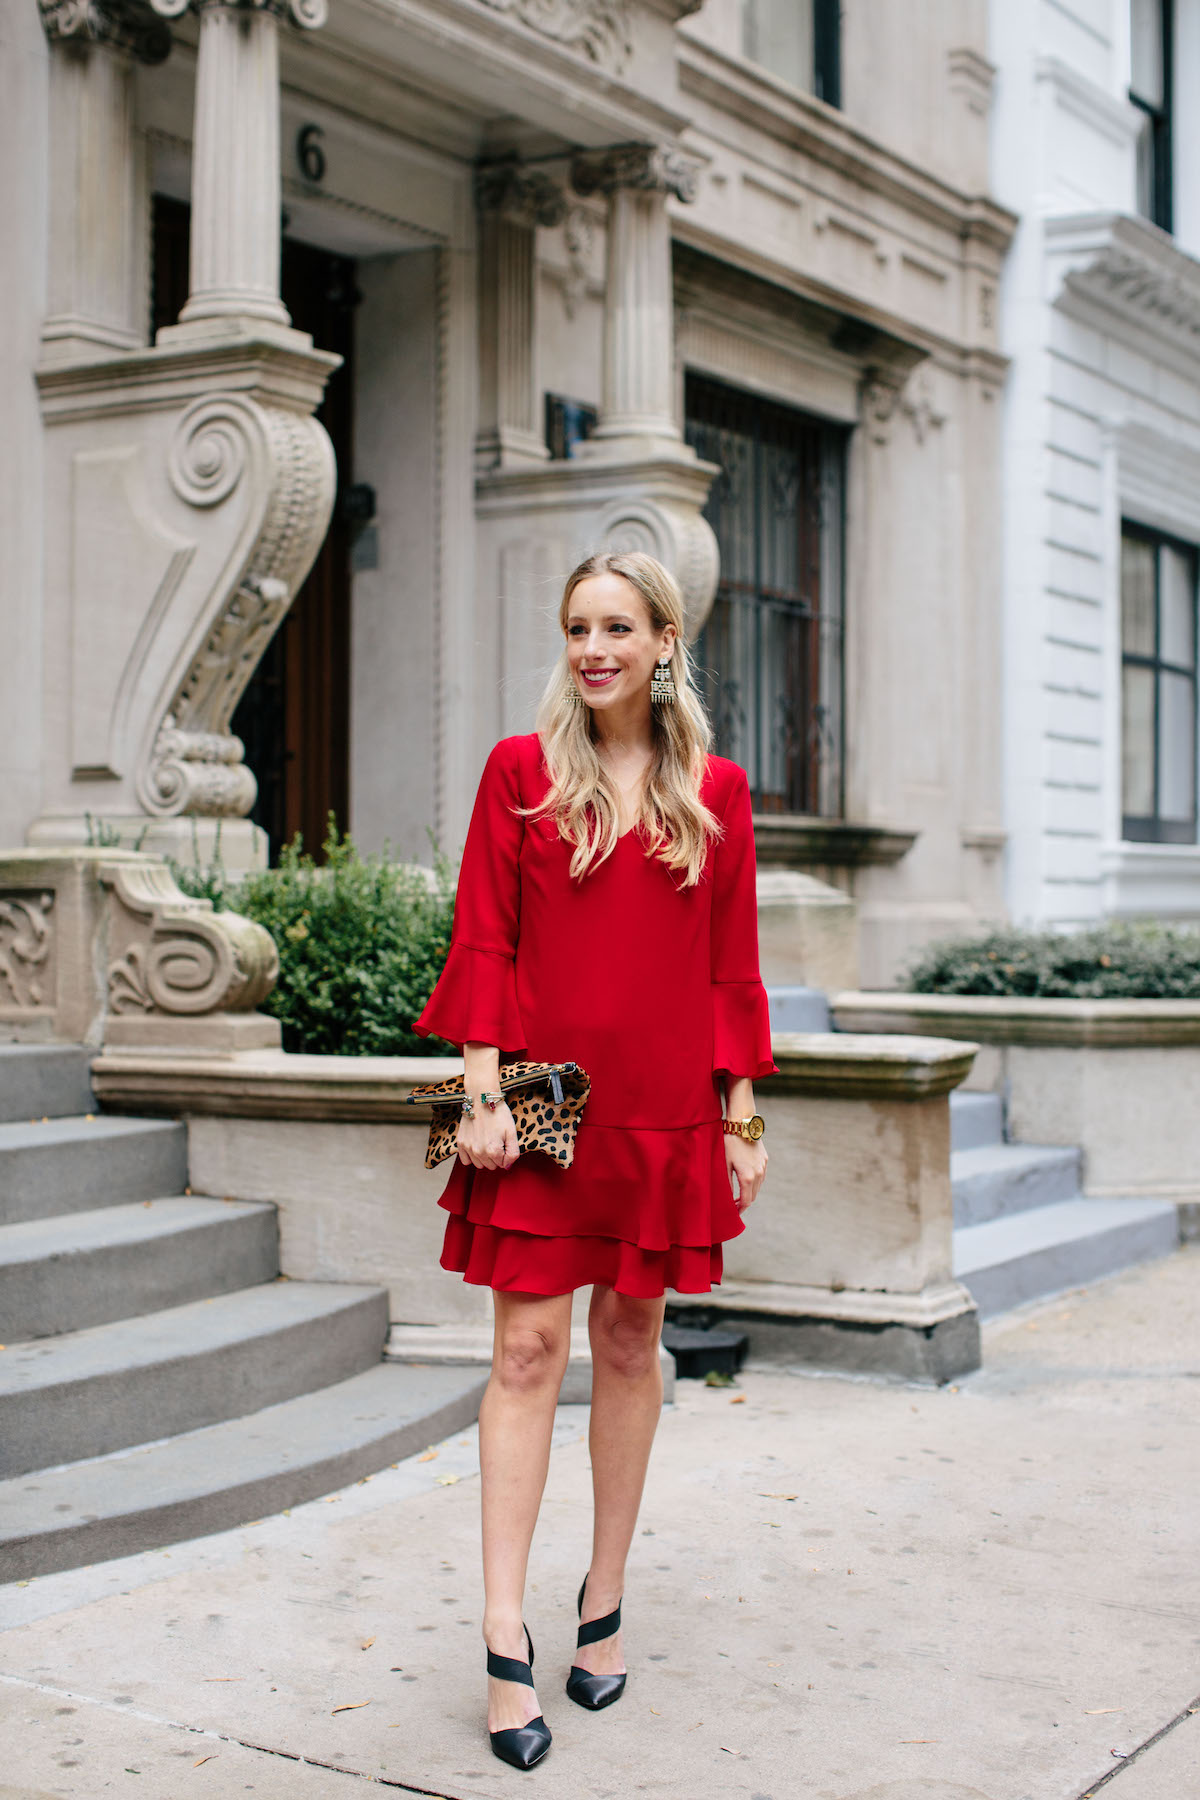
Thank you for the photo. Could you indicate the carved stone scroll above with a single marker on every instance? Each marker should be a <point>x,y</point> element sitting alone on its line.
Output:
<point>192,763</point>
<point>121,24</point>
<point>26,951</point>
<point>169,953</point>
<point>601,30</point>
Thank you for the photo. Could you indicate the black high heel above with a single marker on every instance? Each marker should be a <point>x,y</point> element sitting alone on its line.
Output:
<point>586,1689</point>
<point>519,1745</point>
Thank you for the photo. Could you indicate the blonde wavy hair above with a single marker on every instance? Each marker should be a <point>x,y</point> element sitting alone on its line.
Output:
<point>583,799</point>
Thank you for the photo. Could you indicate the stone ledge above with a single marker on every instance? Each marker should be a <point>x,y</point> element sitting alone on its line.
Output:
<point>273,1084</point>
<point>988,1020</point>
<point>867,1066</point>
<point>791,840</point>
<point>269,1084</point>
<point>932,1306</point>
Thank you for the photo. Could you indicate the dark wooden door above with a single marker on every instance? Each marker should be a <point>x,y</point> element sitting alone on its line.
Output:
<point>294,717</point>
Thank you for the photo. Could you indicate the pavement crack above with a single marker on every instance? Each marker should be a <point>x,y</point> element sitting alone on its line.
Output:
<point>220,1737</point>
<point>1093,1787</point>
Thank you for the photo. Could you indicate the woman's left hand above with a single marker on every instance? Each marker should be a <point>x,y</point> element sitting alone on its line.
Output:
<point>748,1161</point>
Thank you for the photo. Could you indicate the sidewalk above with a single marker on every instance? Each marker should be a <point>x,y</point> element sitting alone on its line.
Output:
<point>843,1590</point>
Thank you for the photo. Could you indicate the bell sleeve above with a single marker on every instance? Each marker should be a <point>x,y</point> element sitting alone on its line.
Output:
<point>741,1022</point>
<point>475,999</point>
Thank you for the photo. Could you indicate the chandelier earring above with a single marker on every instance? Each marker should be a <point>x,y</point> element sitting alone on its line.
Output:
<point>662,685</point>
<point>574,697</point>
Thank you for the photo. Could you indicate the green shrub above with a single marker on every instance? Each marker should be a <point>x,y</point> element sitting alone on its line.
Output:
<point>1106,962</point>
<point>361,943</point>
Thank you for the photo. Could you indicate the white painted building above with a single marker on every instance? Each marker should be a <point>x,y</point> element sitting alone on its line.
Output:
<point>718,280</point>
<point>1096,145</point>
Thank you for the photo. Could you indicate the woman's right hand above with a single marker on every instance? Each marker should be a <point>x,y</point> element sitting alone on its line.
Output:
<point>489,1140</point>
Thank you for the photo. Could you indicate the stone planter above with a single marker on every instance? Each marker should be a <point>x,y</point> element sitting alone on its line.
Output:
<point>1119,1078</point>
<point>846,1259</point>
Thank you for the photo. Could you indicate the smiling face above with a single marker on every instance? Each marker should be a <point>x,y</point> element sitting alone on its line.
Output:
<point>612,645</point>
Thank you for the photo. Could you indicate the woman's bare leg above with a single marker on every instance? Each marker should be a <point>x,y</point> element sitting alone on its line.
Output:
<point>529,1356</point>
<point>626,1403</point>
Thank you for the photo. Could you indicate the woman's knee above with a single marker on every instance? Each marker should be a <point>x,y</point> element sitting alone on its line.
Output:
<point>626,1340</point>
<point>529,1357</point>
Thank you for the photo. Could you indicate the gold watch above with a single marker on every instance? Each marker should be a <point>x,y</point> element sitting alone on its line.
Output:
<point>751,1128</point>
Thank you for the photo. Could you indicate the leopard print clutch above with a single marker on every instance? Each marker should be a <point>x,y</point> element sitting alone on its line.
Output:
<point>545,1099</point>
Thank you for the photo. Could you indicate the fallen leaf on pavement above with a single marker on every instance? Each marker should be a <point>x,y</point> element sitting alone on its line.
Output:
<point>428,1456</point>
<point>222,1678</point>
<point>203,1759</point>
<point>446,1480</point>
<point>779,1496</point>
<point>366,1643</point>
<point>350,1706</point>
<point>738,1400</point>
<point>1092,1710</point>
<point>656,1712</point>
<point>729,1752</point>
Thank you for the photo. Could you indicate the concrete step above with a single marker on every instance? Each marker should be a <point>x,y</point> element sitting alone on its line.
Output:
<point>998,1179</point>
<point>44,1081</point>
<point>73,1164</point>
<point>975,1120</point>
<point>120,1262</point>
<point>230,1473</point>
<point>1048,1248</point>
<point>135,1380</point>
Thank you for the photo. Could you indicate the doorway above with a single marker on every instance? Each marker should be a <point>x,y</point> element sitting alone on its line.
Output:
<point>294,717</point>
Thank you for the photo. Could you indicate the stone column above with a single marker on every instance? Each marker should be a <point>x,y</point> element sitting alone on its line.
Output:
<point>97,262</point>
<point>512,202</point>
<point>637,416</point>
<point>235,159</point>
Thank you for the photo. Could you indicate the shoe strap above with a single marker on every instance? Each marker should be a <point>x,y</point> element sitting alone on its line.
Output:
<point>507,1668</point>
<point>597,1629</point>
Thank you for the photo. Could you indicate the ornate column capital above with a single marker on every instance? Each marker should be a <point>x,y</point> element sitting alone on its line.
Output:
<point>649,168</point>
<point>309,14</point>
<point>127,25</point>
<point>525,196</point>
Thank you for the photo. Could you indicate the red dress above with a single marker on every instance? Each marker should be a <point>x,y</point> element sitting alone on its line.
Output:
<point>654,989</point>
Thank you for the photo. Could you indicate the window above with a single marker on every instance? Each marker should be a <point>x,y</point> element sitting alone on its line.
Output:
<point>1158,688</point>
<point>799,41</point>
<point>1150,90</point>
<point>769,660</point>
<point>568,422</point>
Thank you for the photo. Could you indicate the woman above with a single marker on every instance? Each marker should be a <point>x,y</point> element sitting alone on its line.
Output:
<point>605,915</point>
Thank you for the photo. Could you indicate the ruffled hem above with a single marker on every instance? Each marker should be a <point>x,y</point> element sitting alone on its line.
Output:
<point>654,1189</point>
<point>475,1001</point>
<point>741,1030</point>
<point>518,1262</point>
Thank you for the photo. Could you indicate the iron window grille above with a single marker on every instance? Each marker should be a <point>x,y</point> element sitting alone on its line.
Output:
<point>770,658</point>
<point>1158,687</point>
<point>1150,89</point>
<point>800,41</point>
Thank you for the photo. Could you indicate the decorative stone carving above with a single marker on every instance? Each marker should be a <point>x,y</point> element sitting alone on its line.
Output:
<point>526,196</point>
<point>26,946</point>
<point>654,168</point>
<point>169,953</point>
<point>879,399</point>
<point>681,539</point>
<point>601,30</point>
<point>193,764</point>
<point>309,14</point>
<point>121,24</point>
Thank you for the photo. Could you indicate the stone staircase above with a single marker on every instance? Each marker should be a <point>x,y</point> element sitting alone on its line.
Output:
<point>1022,1229</point>
<point>159,1379</point>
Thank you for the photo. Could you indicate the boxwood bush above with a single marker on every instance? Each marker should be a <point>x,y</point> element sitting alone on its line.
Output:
<point>1106,962</point>
<point>361,942</point>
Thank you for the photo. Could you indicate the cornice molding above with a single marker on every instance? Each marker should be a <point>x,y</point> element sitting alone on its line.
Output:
<point>652,168</point>
<point>807,125</point>
<point>1133,272</point>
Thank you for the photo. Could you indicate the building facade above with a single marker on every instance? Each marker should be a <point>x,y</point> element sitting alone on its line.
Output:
<point>1096,148</point>
<point>287,508</point>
